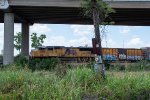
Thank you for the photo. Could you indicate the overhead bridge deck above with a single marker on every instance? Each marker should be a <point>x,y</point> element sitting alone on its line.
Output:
<point>128,12</point>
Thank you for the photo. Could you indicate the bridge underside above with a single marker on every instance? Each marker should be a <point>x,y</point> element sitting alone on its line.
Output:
<point>72,15</point>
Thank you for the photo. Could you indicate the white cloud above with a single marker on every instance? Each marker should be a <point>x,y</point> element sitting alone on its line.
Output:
<point>137,27</point>
<point>1,35</point>
<point>61,41</point>
<point>81,42</point>
<point>109,43</point>
<point>125,30</point>
<point>17,28</point>
<point>55,40</point>
<point>135,42</point>
<point>82,30</point>
<point>40,29</point>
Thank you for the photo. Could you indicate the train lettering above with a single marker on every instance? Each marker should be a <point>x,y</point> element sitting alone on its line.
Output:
<point>122,56</point>
<point>109,57</point>
<point>70,52</point>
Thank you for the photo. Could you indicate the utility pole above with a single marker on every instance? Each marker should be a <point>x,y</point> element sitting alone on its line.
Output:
<point>99,66</point>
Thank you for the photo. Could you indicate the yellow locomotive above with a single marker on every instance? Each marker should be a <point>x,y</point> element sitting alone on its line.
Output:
<point>64,53</point>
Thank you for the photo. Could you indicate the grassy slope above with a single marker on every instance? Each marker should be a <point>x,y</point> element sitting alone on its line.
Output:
<point>76,84</point>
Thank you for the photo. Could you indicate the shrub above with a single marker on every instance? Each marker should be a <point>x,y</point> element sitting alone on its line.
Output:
<point>107,64</point>
<point>43,64</point>
<point>20,61</point>
<point>90,65</point>
<point>117,67</point>
<point>141,65</point>
<point>136,66</point>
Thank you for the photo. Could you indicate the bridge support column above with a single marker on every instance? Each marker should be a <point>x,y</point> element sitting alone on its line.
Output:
<point>8,56</point>
<point>25,40</point>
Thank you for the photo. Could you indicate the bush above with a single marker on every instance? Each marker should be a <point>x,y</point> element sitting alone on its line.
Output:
<point>107,64</point>
<point>117,67</point>
<point>43,64</point>
<point>20,61</point>
<point>141,65</point>
<point>137,66</point>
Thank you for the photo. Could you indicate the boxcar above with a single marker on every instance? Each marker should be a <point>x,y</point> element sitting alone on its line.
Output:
<point>110,54</point>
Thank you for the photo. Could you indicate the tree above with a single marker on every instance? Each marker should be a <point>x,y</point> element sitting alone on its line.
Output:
<point>17,41</point>
<point>37,41</point>
<point>98,10</point>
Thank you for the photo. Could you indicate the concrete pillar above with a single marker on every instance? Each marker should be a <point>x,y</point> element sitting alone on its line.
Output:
<point>25,40</point>
<point>8,56</point>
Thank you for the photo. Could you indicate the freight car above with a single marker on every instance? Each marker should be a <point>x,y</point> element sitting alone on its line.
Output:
<point>86,53</point>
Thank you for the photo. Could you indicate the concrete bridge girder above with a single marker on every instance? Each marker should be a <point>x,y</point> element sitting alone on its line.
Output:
<point>8,56</point>
<point>25,40</point>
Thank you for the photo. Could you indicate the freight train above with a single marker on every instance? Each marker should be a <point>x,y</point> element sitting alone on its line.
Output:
<point>86,53</point>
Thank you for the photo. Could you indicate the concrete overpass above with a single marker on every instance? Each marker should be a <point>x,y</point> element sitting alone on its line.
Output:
<point>128,12</point>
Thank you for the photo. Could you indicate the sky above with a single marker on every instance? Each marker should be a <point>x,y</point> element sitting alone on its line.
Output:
<point>81,35</point>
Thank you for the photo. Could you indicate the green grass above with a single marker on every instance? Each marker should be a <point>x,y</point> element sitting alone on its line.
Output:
<point>74,85</point>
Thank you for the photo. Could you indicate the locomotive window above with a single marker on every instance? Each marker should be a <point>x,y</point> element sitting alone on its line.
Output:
<point>49,48</point>
<point>85,49</point>
<point>58,47</point>
<point>41,49</point>
<point>54,47</point>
